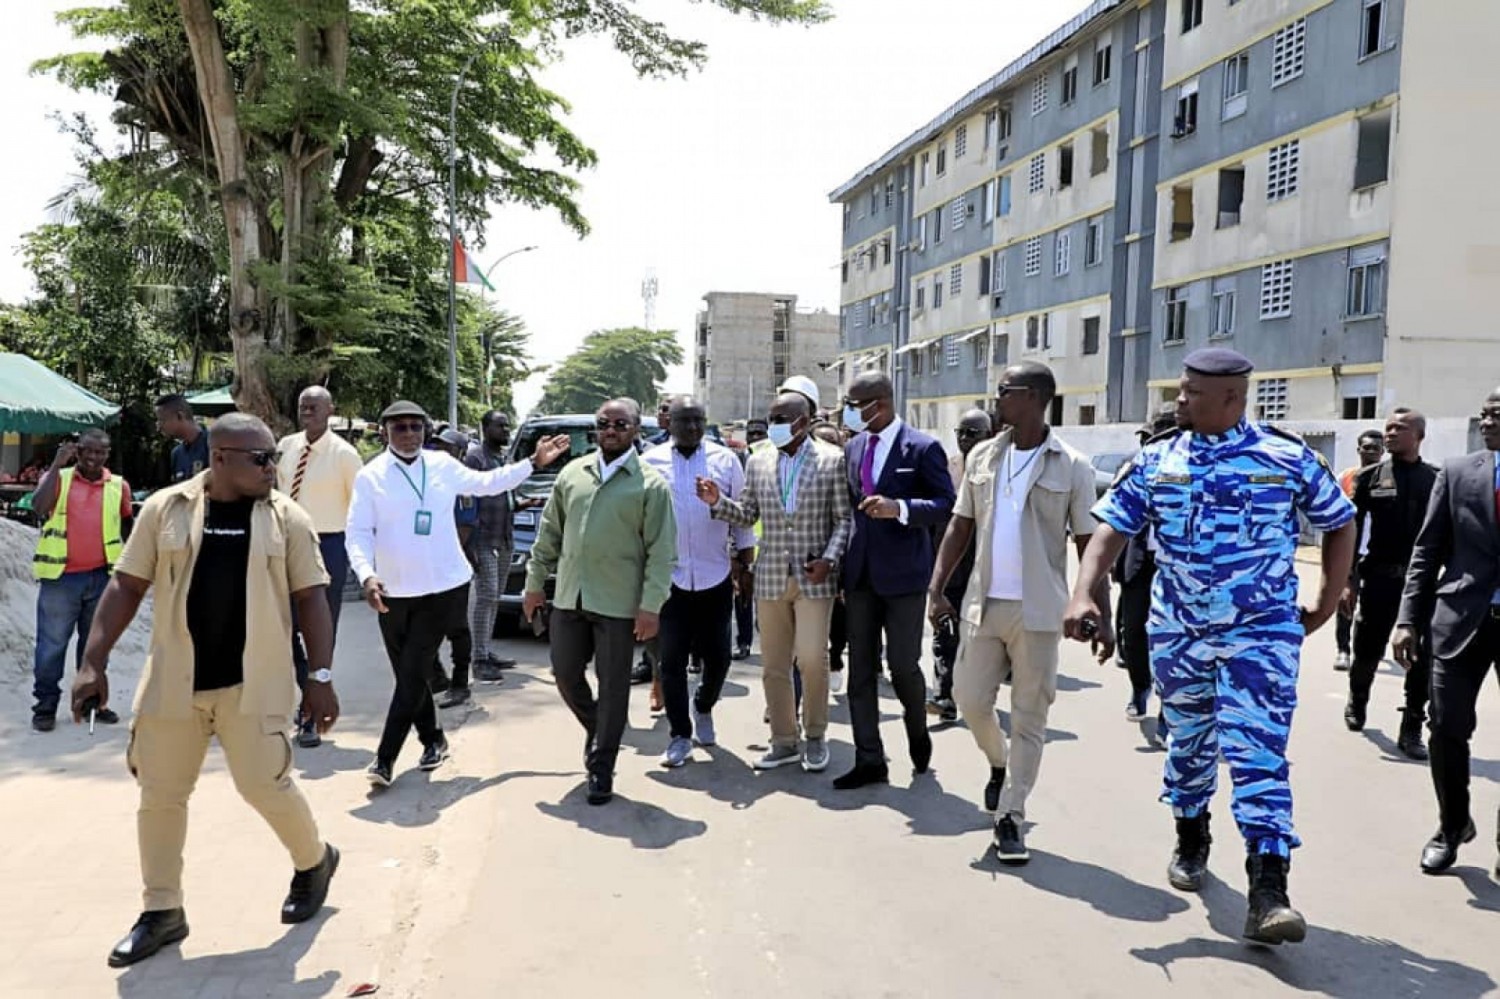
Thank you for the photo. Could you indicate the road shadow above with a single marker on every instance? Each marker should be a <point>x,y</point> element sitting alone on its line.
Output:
<point>646,826</point>
<point>1330,962</point>
<point>1387,746</point>
<point>1070,684</point>
<point>272,968</point>
<point>1105,891</point>
<point>1485,892</point>
<point>322,762</point>
<point>415,799</point>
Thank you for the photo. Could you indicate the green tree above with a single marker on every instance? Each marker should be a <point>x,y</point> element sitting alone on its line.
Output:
<point>610,364</point>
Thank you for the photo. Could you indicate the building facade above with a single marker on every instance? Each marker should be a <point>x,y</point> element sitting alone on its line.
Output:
<point>745,344</point>
<point>1161,175</point>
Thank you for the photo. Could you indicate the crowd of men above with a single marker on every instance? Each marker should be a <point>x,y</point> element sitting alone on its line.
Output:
<point>836,542</point>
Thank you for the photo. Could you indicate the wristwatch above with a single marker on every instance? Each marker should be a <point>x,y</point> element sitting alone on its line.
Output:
<point>324,675</point>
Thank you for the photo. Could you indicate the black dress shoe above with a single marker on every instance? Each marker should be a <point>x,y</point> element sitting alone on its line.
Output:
<point>310,888</point>
<point>921,755</point>
<point>641,672</point>
<point>1441,852</point>
<point>601,788</point>
<point>44,723</point>
<point>434,755</point>
<point>153,931</point>
<point>1354,716</point>
<point>862,775</point>
<point>105,716</point>
<point>379,774</point>
<point>488,672</point>
<point>454,697</point>
<point>741,653</point>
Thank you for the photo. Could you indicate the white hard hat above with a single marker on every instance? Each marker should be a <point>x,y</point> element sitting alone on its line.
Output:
<point>802,385</point>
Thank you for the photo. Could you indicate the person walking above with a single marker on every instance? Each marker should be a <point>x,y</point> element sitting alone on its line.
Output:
<point>404,549</point>
<point>1390,500</point>
<point>900,490</point>
<point>1224,497</point>
<point>174,419</point>
<point>1369,448</point>
<point>797,491</point>
<point>229,558</point>
<point>1023,493</point>
<point>316,470</point>
<point>696,618</point>
<point>609,535</point>
<point>84,510</point>
<point>1452,599</point>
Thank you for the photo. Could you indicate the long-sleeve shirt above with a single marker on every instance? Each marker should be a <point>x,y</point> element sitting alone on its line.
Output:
<point>702,542</point>
<point>327,480</point>
<point>382,535</point>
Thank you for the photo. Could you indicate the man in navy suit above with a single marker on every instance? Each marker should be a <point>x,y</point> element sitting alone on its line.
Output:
<point>900,489</point>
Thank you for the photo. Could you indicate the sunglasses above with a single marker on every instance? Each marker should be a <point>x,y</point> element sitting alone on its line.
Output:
<point>259,457</point>
<point>1001,391</point>
<point>406,427</point>
<point>858,404</point>
<point>620,425</point>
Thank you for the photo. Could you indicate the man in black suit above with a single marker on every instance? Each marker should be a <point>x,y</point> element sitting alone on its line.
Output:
<point>1453,595</point>
<point>899,488</point>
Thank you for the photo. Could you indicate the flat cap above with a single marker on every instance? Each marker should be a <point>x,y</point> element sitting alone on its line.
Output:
<point>1219,362</point>
<point>454,438</point>
<point>402,407</point>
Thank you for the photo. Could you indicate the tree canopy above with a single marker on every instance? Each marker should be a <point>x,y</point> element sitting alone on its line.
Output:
<point>630,362</point>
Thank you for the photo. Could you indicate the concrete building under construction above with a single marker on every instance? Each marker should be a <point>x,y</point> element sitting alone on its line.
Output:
<point>746,343</point>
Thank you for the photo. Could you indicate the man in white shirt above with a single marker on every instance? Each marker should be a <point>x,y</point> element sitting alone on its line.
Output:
<point>317,471</point>
<point>1022,493</point>
<point>403,546</point>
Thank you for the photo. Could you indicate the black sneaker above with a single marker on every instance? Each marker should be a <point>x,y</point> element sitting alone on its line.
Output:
<point>488,672</point>
<point>993,788</point>
<point>379,774</point>
<point>307,735</point>
<point>454,697</point>
<point>641,673</point>
<point>434,755</point>
<point>1010,845</point>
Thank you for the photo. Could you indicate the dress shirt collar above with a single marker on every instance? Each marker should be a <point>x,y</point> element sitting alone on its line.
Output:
<point>609,468</point>
<point>887,437</point>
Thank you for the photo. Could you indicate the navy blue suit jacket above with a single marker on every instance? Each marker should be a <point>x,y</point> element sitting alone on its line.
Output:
<point>889,557</point>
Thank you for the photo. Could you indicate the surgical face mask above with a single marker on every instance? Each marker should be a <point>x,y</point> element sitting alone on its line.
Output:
<point>780,434</point>
<point>854,418</point>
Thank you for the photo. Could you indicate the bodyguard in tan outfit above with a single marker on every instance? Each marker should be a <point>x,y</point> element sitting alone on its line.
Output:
<point>1022,493</point>
<point>229,558</point>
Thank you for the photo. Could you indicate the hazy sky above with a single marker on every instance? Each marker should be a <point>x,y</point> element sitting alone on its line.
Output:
<point>718,182</point>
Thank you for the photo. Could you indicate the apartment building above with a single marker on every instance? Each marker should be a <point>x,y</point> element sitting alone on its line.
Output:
<point>747,343</point>
<point>1160,175</point>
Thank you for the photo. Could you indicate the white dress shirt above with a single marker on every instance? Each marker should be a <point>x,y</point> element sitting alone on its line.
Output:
<point>381,535</point>
<point>702,541</point>
<point>883,442</point>
<point>608,468</point>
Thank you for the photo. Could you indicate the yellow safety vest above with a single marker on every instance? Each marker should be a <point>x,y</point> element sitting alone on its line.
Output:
<point>52,548</point>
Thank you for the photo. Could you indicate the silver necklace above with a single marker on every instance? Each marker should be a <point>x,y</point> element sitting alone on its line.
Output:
<point>1010,466</point>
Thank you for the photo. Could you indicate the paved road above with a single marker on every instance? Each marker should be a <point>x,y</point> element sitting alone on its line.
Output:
<point>495,878</point>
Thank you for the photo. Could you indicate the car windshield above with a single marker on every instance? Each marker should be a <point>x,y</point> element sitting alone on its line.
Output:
<point>580,437</point>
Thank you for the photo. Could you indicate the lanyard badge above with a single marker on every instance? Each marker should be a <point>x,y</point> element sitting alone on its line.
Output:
<point>422,522</point>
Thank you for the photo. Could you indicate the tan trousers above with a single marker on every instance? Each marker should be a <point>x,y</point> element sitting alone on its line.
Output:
<point>1000,647</point>
<point>166,756</point>
<point>794,626</point>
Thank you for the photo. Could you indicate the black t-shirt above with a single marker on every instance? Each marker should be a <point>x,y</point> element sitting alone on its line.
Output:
<point>216,596</point>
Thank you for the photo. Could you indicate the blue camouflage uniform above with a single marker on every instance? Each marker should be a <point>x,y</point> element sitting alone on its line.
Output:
<point>1225,631</point>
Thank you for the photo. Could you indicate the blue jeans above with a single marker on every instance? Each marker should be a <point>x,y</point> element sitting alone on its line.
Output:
<point>63,606</point>
<point>336,561</point>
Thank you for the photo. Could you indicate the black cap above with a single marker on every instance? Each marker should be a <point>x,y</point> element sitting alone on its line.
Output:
<point>402,408</point>
<point>454,438</point>
<point>1218,362</point>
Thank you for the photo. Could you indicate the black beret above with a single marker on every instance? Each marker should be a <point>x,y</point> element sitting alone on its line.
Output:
<point>1219,362</point>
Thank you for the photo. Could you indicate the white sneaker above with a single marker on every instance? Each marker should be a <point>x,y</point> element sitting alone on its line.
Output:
<point>836,682</point>
<point>815,756</point>
<point>1341,662</point>
<point>779,756</point>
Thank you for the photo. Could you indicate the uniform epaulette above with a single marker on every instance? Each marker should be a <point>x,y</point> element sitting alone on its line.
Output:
<point>1285,434</point>
<point>1165,435</point>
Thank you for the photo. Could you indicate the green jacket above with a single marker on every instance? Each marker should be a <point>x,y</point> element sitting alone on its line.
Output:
<point>612,546</point>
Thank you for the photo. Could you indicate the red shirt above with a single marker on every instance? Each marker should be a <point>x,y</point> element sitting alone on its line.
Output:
<point>86,522</point>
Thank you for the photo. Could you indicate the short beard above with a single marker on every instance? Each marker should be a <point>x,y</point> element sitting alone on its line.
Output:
<point>408,455</point>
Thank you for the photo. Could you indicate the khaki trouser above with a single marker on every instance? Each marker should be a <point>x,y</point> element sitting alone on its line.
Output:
<point>166,755</point>
<point>795,626</point>
<point>1000,647</point>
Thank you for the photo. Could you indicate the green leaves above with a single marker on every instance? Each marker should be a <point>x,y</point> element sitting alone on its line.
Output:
<point>628,362</point>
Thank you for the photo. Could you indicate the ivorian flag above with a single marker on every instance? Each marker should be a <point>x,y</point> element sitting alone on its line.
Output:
<point>465,270</point>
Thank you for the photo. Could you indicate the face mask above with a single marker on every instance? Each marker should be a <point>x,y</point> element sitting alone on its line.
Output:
<point>780,434</point>
<point>854,419</point>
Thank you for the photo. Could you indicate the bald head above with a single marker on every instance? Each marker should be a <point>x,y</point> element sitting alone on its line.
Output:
<point>974,426</point>
<point>314,410</point>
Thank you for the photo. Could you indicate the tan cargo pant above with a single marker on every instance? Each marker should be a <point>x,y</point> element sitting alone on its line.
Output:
<point>794,626</point>
<point>166,756</point>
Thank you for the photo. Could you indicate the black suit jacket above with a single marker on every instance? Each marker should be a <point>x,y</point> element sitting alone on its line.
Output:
<point>893,558</point>
<point>1455,566</point>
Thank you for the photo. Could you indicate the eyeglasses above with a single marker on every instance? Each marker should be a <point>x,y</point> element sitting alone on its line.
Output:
<point>1001,391</point>
<point>406,427</point>
<point>621,425</point>
<point>259,457</point>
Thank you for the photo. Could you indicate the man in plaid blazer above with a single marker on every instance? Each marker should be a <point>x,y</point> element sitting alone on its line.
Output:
<point>797,491</point>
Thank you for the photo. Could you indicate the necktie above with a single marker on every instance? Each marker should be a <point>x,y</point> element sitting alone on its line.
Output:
<point>301,471</point>
<point>867,467</point>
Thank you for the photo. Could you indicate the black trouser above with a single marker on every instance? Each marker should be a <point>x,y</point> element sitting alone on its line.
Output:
<point>694,623</point>
<point>1342,628</point>
<point>1455,691</point>
<point>577,637</point>
<point>838,635</point>
<point>1379,600</point>
<point>744,619</point>
<point>1132,610</point>
<point>901,619</point>
<point>413,628</point>
<point>460,642</point>
<point>945,639</point>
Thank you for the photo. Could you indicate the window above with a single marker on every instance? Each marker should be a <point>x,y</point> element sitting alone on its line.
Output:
<point>1033,332</point>
<point>956,279</point>
<point>1004,207</point>
<point>1192,14</point>
<point>1281,170</point>
<point>1038,94</point>
<point>1276,290</point>
<point>1046,331</point>
<point>1099,160</point>
<point>1002,123</point>
<point>1372,158</point>
<point>1372,29</point>
<point>1103,56</point>
<point>990,121</point>
<point>1182,212</point>
<point>937,291</point>
<point>1236,85</point>
<point>960,142</point>
<point>1055,414</point>
<point>1036,176</point>
<point>1289,52</point>
<point>1231,196</point>
<point>988,200</point>
<point>845,270</point>
<point>1365,296</point>
<point>922,233</point>
<point>1359,407</point>
<point>922,171</point>
<point>1359,396</point>
<point>890,191</point>
<point>848,213</point>
<point>1186,121</point>
<point>1000,356</point>
<point>1093,241</point>
<point>980,348</point>
<point>1063,261</point>
<point>859,315</point>
<point>937,226</point>
<point>950,350</point>
<point>1065,166</point>
<point>885,251</point>
<point>997,272</point>
<point>932,415</point>
<point>942,160</point>
<point>1091,335</point>
<point>921,299</point>
<point>1221,308</point>
<point>1270,399</point>
<point>1085,416</point>
<point>1034,256</point>
<point>985,277</point>
<point>874,200</point>
<point>935,362</point>
<point>916,364</point>
<point>1070,81</point>
<point>958,212</point>
<point>1176,328</point>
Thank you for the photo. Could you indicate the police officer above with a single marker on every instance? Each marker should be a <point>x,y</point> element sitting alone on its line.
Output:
<point>1225,630</point>
<point>1390,499</point>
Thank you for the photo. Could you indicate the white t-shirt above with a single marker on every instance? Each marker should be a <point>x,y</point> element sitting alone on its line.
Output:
<point>1011,484</point>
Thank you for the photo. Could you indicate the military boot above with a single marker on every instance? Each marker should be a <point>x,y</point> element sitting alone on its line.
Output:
<point>1271,919</point>
<point>1410,740</point>
<point>1190,858</point>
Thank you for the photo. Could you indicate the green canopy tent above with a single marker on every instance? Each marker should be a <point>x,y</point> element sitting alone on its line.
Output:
<point>34,399</point>
<point>214,402</point>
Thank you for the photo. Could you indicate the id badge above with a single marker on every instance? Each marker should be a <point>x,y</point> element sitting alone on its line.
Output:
<point>423,525</point>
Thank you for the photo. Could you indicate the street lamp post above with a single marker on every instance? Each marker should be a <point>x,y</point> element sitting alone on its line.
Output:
<point>453,242</point>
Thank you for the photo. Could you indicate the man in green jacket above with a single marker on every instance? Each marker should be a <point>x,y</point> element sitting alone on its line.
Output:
<point>609,534</point>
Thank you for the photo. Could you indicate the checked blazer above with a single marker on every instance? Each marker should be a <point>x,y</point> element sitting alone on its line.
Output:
<point>818,524</point>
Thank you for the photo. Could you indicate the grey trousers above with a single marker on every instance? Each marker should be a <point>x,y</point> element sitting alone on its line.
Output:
<point>577,637</point>
<point>491,566</point>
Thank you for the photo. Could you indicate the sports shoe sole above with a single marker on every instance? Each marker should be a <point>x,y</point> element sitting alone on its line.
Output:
<point>377,780</point>
<point>1289,928</point>
<point>777,764</point>
<point>434,764</point>
<point>1012,859</point>
<point>815,768</point>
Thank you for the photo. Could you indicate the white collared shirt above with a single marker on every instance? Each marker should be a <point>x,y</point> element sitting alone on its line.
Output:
<point>702,542</point>
<point>609,468</point>
<point>883,443</point>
